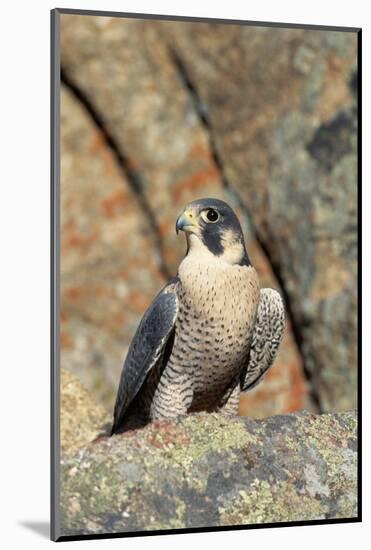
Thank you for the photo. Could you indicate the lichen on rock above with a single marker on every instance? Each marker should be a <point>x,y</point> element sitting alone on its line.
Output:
<point>213,470</point>
<point>81,418</point>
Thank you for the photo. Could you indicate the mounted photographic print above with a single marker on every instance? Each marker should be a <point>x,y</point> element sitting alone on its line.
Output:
<point>205,191</point>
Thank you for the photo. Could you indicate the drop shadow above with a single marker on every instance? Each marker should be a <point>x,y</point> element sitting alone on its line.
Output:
<point>42,528</point>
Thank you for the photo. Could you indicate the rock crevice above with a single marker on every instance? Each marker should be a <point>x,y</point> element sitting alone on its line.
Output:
<point>262,118</point>
<point>131,174</point>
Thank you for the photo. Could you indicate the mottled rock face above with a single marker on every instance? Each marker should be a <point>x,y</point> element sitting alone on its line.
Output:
<point>81,420</point>
<point>125,70</point>
<point>288,148</point>
<point>261,118</point>
<point>105,284</point>
<point>211,470</point>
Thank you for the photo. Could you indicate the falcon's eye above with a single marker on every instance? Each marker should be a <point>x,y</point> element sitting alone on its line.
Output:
<point>210,215</point>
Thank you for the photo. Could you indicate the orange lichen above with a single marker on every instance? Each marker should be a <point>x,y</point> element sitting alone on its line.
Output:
<point>73,294</point>
<point>77,239</point>
<point>298,390</point>
<point>137,301</point>
<point>171,256</point>
<point>77,293</point>
<point>119,319</point>
<point>165,227</point>
<point>96,143</point>
<point>114,203</point>
<point>98,146</point>
<point>203,177</point>
<point>132,163</point>
<point>200,151</point>
<point>65,340</point>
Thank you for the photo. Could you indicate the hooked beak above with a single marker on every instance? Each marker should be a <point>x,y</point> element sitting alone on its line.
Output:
<point>186,222</point>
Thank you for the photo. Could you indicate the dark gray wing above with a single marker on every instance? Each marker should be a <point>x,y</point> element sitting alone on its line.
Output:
<point>146,348</point>
<point>266,338</point>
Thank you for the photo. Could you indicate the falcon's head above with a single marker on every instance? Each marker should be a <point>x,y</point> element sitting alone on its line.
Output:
<point>211,227</point>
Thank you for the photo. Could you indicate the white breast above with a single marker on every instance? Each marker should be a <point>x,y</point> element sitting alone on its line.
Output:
<point>231,290</point>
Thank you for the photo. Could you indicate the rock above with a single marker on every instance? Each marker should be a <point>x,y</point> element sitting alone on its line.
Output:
<point>125,71</point>
<point>81,419</point>
<point>264,119</point>
<point>281,109</point>
<point>109,269</point>
<point>212,470</point>
<point>270,126</point>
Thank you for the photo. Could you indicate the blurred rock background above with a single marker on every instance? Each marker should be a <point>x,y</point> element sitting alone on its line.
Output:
<point>155,114</point>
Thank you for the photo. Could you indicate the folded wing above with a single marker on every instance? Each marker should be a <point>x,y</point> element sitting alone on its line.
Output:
<point>146,349</point>
<point>266,338</point>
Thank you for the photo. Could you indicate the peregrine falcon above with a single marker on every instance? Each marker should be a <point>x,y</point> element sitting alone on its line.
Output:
<point>209,334</point>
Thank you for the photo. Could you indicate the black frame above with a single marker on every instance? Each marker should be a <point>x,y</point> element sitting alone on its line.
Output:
<point>55,271</point>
